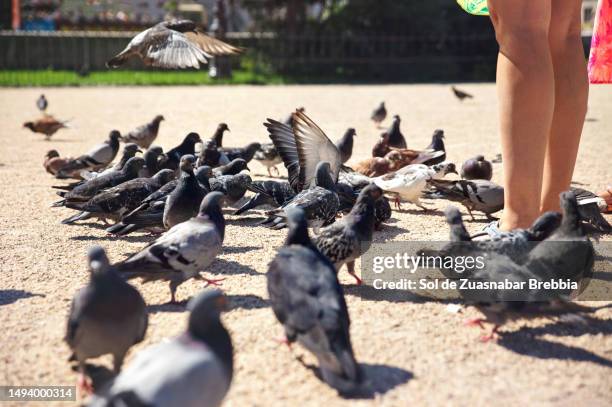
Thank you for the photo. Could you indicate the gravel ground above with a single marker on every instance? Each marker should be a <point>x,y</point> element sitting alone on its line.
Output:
<point>414,352</point>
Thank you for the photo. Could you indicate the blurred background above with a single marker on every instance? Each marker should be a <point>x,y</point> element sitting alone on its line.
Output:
<point>66,42</point>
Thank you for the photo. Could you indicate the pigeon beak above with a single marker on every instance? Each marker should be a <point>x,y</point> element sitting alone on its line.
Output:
<point>246,167</point>
<point>228,129</point>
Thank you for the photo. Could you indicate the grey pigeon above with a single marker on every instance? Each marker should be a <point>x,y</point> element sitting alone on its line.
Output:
<point>210,155</point>
<point>437,144</point>
<point>271,193</point>
<point>268,157</point>
<point>117,201</point>
<point>396,138</point>
<point>232,168</point>
<point>173,44</point>
<point>348,194</point>
<point>144,135</point>
<point>459,94</point>
<point>246,153</point>
<point>476,195</point>
<point>187,146</point>
<point>107,316</point>
<point>233,187</point>
<point>183,251</point>
<point>184,201</point>
<point>308,301</point>
<point>302,147</point>
<point>379,114</point>
<point>346,240</point>
<point>194,369</point>
<point>218,135</point>
<point>152,158</point>
<point>42,104</point>
<point>589,207</point>
<point>477,168</point>
<point>98,157</point>
<point>345,145</point>
<point>88,189</point>
<point>319,202</point>
<point>129,151</point>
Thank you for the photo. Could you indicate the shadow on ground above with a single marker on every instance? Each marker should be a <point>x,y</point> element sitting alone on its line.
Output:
<point>11,296</point>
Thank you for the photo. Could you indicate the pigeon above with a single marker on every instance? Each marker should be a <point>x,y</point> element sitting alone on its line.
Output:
<point>234,167</point>
<point>308,301</point>
<point>183,251</point>
<point>348,188</point>
<point>246,153</point>
<point>218,135</point>
<point>379,114</point>
<point>129,151</point>
<point>271,193</point>
<point>173,44</point>
<point>47,125</point>
<point>184,201</point>
<point>459,94</point>
<point>53,162</point>
<point>269,157</point>
<point>152,158</point>
<point>410,186</point>
<point>376,166</point>
<point>144,135</point>
<point>345,241</point>
<point>403,156</point>
<point>590,206</point>
<point>345,145</point>
<point>437,144</point>
<point>90,188</point>
<point>319,202</point>
<point>302,147</point>
<point>396,138</point>
<point>477,168</point>
<point>289,120</point>
<point>98,157</point>
<point>42,104</point>
<point>233,187</point>
<point>381,148</point>
<point>193,369</point>
<point>187,146</point>
<point>476,195</point>
<point>117,201</point>
<point>107,316</point>
<point>211,156</point>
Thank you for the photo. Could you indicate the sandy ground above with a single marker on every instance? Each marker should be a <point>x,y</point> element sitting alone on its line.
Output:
<point>414,352</point>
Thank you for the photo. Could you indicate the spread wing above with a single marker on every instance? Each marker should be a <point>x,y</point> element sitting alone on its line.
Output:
<point>172,49</point>
<point>212,46</point>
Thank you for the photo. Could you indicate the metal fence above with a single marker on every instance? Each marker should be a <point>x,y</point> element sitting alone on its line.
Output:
<point>428,57</point>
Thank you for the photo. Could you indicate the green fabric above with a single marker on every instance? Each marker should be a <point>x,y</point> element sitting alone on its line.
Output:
<point>476,7</point>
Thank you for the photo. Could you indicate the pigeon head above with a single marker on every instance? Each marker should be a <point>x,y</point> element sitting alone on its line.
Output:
<point>396,119</point>
<point>202,174</point>
<point>29,125</point>
<point>350,132</point>
<point>371,191</point>
<point>457,229</point>
<point>382,104</point>
<point>300,109</point>
<point>157,150</point>
<point>191,139</point>
<point>571,217</point>
<point>164,176</point>
<point>453,216</point>
<point>438,134</point>
<point>158,118</point>
<point>223,127</point>
<point>394,156</point>
<point>545,225</point>
<point>298,227</point>
<point>252,148</point>
<point>131,149</point>
<point>323,176</point>
<point>52,154</point>
<point>114,135</point>
<point>187,163</point>
<point>134,165</point>
<point>237,165</point>
<point>477,168</point>
<point>97,259</point>
<point>449,168</point>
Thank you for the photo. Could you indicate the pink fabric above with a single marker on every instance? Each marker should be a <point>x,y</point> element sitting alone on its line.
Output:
<point>600,59</point>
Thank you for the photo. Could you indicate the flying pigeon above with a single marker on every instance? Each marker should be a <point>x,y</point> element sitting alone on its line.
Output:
<point>107,316</point>
<point>98,157</point>
<point>319,202</point>
<point>345,145</point>
<point>183,251</point>
<point>459,94</point>
<point>47,125</point>
<point>289,119</point>
<point>379,114</point>
<point>477,168</point>
<point>144,135</point>
<point>193,369</point>
<point>410,185</point>
<point>346,240</point>
<point>476,195</point>
<point>308,301</point>
<point>184,201</point>
<point>268,157</point>
<point>173,44</point>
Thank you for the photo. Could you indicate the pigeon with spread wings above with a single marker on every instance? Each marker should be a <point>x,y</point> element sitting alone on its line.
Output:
<point>173,44</point>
